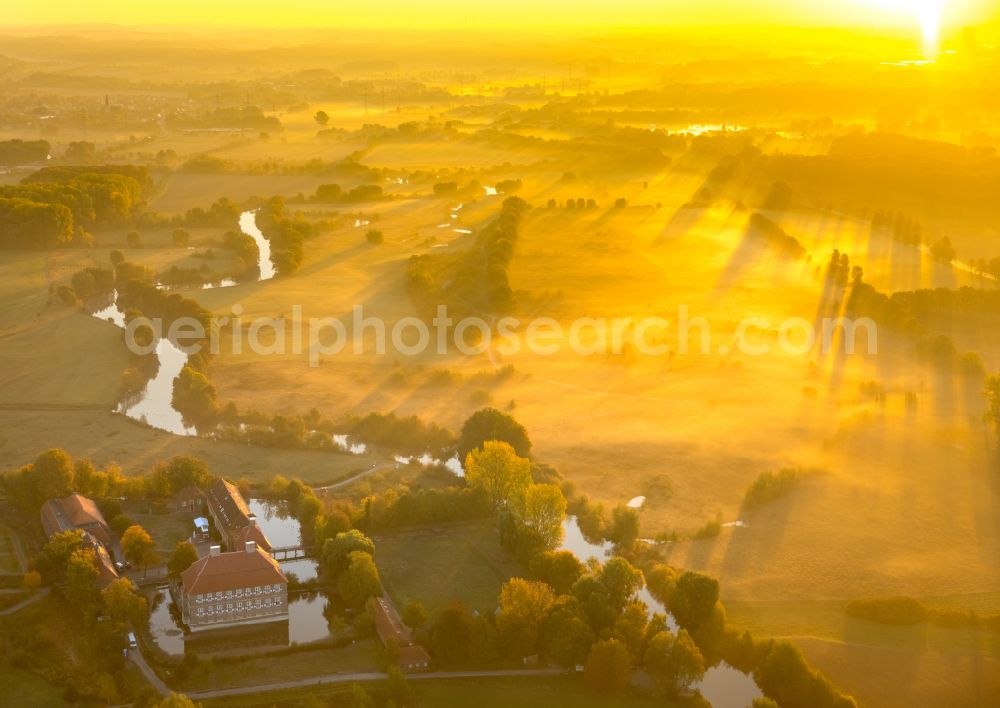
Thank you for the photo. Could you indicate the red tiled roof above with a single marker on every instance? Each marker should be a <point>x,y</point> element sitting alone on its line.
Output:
<point>228,571</point>
<point>74,511</point>
<point>253,532</point>
<point>387,622</point>
<point>413,656</point>
<point>228,503</point>
<point>106,568</point>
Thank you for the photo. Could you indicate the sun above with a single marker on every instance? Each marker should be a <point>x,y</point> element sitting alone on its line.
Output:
<point>927,13</point>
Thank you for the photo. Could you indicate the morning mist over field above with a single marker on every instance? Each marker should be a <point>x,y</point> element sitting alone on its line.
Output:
<point>451,354</point>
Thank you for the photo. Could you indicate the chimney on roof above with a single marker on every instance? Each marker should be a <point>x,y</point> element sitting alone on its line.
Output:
<point>251,546</point>
<point>253,518</point>
<point>214,550</point>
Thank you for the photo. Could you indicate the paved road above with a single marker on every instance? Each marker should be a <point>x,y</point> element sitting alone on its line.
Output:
<point>137,658</point>
<point>39,594</point>
<point>360,677</point>
<point>377,467</point>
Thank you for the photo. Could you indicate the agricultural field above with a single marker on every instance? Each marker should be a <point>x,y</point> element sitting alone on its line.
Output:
<point>690,217</point>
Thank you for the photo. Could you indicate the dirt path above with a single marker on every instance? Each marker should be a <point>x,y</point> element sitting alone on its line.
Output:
<point>328,679</point>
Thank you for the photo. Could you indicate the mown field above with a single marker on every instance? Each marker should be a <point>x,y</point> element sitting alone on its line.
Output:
<point>20,688</point>
<point>435,565</point>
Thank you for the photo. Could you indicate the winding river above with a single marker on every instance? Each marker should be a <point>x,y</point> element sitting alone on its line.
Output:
<point>154,406</point>
<point>723,686</point>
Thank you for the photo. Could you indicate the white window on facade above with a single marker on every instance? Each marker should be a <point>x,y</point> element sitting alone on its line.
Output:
<point>229,594</point>
<point>218,595</point>
<point>201,611</point>
<point>218,608</point>
<point>239,592</point>
<point>229,607</point>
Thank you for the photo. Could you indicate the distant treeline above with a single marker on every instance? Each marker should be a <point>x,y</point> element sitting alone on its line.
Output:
<point>760,227</point>
<point>51,207</point>
<point>405,435</point>
<point>915,314</point>
<point>348,168</point>
<point>335,194</point>
<point>23,152</point>
<point>251,117</point>
<point>908,610</point>
<point>474,280</point>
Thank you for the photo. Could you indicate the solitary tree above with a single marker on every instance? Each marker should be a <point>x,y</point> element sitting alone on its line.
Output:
<point>695,596</point>
<point>607,667</point>
<point>335,552</point>
<point>360,580</point>
<point>620,580</point>
<point>139,548</point>
<point>414,615</point>
<point>542,511</point>
<point>53,472</point>
<point>624,527</point>
<point>32,581</point>
<point>992,392</point>
<point>322,117</point>
<point>81,577</point>
<point>491,424</point>
<point>183,555</point>
<point>499,472</point>
<point>524,605</point>
<point>374,237</point>
<point>674,662</point>
<point>451,635</point>
<point>122,602</point>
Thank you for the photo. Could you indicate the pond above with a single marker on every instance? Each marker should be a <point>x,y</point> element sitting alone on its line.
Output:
<point>307,622</point>
<point>452,464</point>
<point>723,686</point>
<point>282,530</point>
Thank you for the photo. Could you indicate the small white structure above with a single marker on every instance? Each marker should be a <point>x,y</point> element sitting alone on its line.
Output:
<point>201,527</point>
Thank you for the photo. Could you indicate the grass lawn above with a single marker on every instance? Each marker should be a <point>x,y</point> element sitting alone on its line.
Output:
<point>8,560</point>
<point>906,678</point>
<point>166,529</point>
<point>105,437</point>
<point>437,564</point>
<point>360,657</point>
<point>826,619</point>
<point>522,692</point>
<point>26,690</point>
<point>500,692</point>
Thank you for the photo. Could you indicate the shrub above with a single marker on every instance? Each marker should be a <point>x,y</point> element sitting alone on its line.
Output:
<point>888,610</point>
<point>770,486</point>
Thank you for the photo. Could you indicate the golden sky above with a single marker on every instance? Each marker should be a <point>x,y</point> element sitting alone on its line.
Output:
<point>506,13</point>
